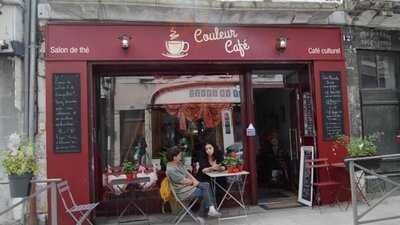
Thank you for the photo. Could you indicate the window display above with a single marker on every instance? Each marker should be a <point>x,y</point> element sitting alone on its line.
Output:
<point>142,116</point>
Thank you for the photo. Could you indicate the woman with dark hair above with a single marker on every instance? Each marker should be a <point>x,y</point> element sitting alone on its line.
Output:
<point>210,159</point>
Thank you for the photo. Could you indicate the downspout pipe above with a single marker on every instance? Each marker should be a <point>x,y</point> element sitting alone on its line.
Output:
<point>32,71</point>
<point>27,21</point>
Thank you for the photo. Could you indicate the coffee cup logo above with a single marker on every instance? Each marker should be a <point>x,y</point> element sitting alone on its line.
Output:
<point>175,48</point>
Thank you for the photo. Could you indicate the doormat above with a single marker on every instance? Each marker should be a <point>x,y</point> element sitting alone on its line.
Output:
<point>280,205</point>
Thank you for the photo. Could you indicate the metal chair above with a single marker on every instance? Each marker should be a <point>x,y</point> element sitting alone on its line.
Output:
<point>324,180</point>
<point>79,213</point>
<point>186,205</point>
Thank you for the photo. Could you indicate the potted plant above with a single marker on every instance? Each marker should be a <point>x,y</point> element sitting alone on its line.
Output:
<point>127,168</point>
<point>230,164</point>
<point>20,165</point>
<point>240,164</point>
<point>358,147</point>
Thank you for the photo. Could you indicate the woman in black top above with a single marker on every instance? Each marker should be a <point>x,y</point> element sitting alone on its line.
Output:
<point>210,159</point>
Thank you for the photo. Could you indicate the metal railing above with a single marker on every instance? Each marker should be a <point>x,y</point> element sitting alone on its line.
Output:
<point>354,182</point>
<point>52,185</point>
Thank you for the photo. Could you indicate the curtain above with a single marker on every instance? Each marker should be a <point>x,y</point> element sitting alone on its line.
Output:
<point>211,113</point>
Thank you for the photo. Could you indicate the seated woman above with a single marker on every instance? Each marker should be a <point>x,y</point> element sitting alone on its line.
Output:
<point>210,159</point>
<point>186,186</point>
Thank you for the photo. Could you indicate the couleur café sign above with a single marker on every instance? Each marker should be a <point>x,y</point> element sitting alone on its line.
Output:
<point>176,48</point>
<point>190,42</point>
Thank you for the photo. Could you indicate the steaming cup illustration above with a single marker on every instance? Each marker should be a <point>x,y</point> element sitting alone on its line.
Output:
<point>176,48</point>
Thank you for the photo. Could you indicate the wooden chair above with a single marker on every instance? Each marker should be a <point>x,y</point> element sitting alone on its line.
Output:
<point>324,179</point>
<point>79,213</point>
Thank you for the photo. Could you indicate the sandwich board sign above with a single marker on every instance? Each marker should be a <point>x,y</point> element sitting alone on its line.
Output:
<point>305,194</point>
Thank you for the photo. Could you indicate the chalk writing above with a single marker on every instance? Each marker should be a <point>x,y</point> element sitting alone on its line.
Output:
<point>332,104</point>
<point>308,115</point>
<point>67,107</point>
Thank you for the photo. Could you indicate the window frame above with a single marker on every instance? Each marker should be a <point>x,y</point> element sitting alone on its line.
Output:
<point>393,54</point>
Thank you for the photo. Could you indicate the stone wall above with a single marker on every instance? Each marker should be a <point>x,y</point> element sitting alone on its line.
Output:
<point>9,122</point>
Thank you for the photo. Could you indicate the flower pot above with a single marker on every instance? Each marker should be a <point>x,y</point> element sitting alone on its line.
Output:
<point>20,185</point>
<point>130,176</point>
<point>230,169</point>
<point>240,167</point>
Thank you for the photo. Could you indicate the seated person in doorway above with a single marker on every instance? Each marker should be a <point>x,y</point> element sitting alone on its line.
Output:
<point>210,159</point>
<point>279,173</point>
<point>186,186</point>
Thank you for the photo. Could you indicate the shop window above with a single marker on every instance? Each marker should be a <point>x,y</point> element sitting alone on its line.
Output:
<point>163,111</point>
<point>132,129</point>
<point>378,70</point>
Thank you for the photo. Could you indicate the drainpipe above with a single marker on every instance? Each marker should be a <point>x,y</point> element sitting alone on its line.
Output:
<point>32,71</point>
<point>26,66</point>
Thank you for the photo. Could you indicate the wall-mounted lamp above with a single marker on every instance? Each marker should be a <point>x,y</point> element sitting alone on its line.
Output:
<point>125,41</point>
<point>281,43</point>
<point>3,44</point>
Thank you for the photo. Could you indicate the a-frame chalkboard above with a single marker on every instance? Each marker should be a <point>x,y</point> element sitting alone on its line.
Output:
<point>67,113</point>
<point>306,176</point>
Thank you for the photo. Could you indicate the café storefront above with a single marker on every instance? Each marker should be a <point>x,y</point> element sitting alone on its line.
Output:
<point>110,86</point>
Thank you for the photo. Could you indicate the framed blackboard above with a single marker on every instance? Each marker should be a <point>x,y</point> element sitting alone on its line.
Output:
<point>308,115</point>
<point>67,112</point>
<point>305,192</point>
<point>332,104</point>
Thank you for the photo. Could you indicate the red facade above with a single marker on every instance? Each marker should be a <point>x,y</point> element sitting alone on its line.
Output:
<point>74,48</point>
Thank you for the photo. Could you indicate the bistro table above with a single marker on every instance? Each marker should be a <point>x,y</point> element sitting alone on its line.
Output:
<point>238,178</point>
<point>136,181</point>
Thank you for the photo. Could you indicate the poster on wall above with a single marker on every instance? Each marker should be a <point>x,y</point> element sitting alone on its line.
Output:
<point>67,113</point>
<point>308,115</point>
<point>306,176</point>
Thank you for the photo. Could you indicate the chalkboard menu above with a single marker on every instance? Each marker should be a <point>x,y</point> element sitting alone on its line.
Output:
<point>308,115</point>
<point>305,193</point>
<point>67,112</point>
<point>332,104</point>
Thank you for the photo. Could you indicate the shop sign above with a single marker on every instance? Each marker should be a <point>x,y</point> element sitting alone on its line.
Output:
<point>251,130</point>
<point>184,42</point>
<point>223,94</point>
<point>305,192</point>
<point>178,48</point>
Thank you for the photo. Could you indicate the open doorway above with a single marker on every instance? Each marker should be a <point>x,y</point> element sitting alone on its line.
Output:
<point>278,118</point>
<point>275,169</point>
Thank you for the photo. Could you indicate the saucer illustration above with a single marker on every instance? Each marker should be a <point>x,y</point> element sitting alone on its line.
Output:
<point>174,56</point>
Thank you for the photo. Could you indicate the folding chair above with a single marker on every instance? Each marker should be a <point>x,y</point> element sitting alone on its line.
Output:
<point>324,180</point>
<point>186,205</point>
<point>79,213</point>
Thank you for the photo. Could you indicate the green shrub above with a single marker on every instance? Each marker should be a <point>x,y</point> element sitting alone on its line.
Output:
<point>358,146</point>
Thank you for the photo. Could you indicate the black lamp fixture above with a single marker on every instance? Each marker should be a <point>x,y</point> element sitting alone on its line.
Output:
<point>3,45</point>
<point>281,43</point>
<point>125,41</point>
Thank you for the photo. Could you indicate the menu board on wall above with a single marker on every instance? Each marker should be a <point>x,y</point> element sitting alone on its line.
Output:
<point>332,104</point>
<point>308,115</point>
<point>305,192</point>
<point>67,112</point>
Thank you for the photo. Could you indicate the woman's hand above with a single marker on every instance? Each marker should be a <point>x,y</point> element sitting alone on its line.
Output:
<point>195,183</point>
<point>215,167</point>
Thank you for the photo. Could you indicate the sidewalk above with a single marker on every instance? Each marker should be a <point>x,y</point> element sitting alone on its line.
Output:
<point>298,216</point>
